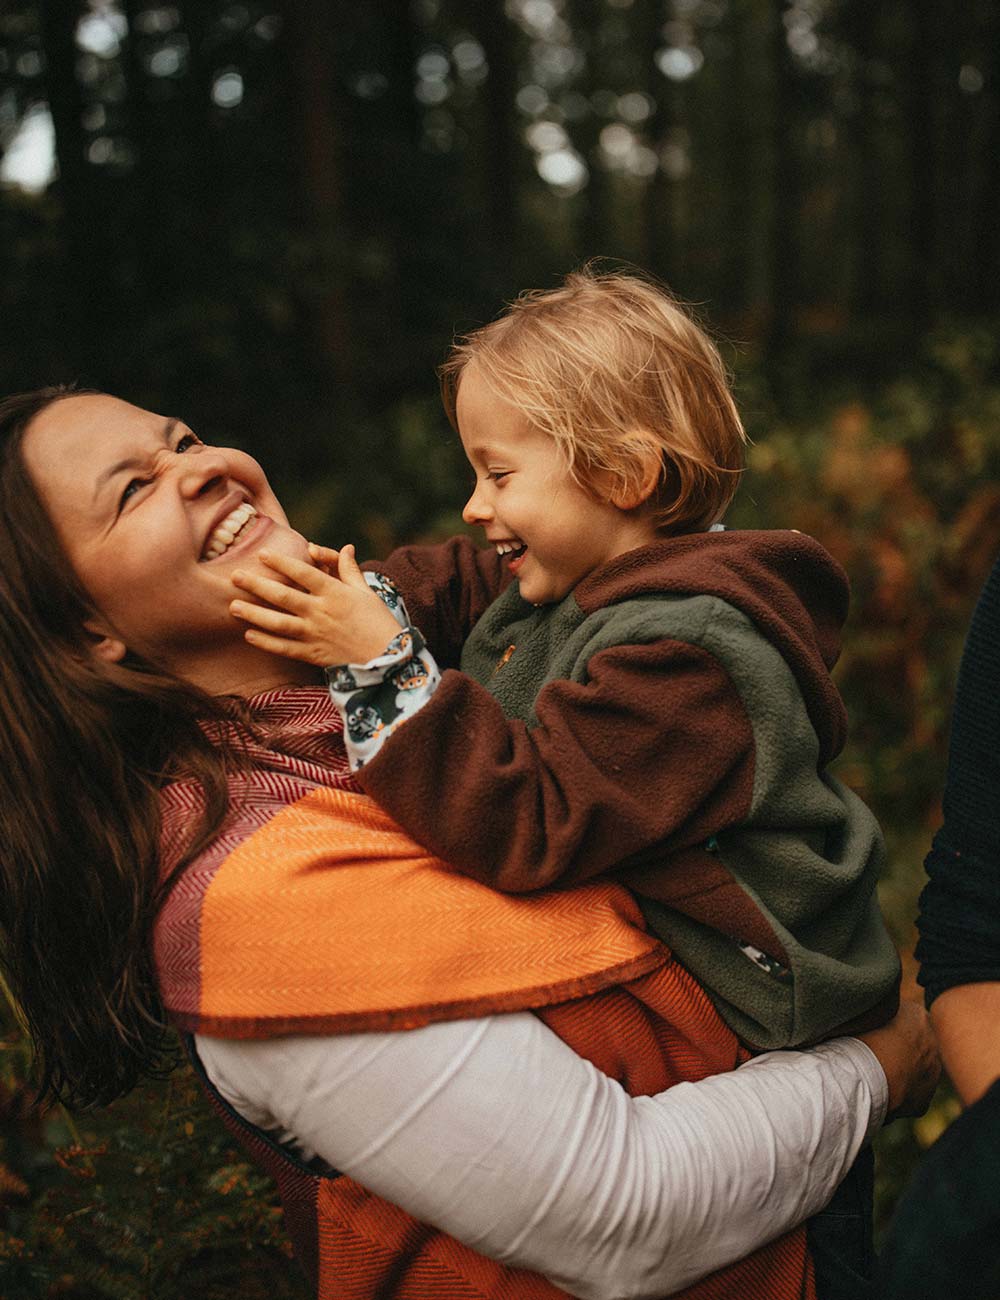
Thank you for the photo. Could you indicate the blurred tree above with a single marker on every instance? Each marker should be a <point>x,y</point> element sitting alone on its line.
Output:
<point>785,214</point>
<point>982,79</point>
<point>314,27</point>
<point>499,163</point>
<point>85,262</point>
<point>921,17</point>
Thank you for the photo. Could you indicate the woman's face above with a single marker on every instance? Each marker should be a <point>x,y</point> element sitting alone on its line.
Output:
<point>138,503</point>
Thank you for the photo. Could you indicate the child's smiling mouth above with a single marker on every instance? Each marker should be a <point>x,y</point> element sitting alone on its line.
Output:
<point>511,550</point>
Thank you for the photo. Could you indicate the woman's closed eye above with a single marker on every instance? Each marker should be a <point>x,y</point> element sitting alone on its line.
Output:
<point>184,443</point>
<point>497,474</point>
<point>131,488</point>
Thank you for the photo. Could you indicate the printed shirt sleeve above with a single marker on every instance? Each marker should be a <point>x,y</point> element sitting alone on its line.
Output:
<point>374,698</point>
<point>447,588</point>
<point>496,1132</point>
<point>653,754</point>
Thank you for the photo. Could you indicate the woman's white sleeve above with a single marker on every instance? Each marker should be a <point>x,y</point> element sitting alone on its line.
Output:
<point>495,1131</point>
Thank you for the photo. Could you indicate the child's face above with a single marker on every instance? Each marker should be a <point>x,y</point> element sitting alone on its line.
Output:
<point>554,531</point>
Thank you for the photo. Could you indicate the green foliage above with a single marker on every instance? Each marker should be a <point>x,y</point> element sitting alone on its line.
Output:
<point>148,1200</point>
<point>901,482</point>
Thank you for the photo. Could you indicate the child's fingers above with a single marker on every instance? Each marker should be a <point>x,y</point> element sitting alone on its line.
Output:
<point>349,571</point>
<point>275,593</point>
<point>277,645</point>
<point>267,620</point>
<point>297,571</point>
<point>324,556</point>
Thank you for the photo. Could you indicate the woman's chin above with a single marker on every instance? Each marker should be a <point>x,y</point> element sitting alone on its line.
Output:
<point>268,535</point>
<point>283,539</point>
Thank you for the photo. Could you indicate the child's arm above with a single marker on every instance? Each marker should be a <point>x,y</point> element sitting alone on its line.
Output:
<point>447,588</point>
<point>655,751</point>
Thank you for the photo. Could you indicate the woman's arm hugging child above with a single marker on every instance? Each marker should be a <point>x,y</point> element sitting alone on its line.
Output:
<point>649,697</point>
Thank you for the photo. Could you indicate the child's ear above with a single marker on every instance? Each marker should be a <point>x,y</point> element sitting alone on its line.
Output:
<point>632,495</point>
<point>103,645</point>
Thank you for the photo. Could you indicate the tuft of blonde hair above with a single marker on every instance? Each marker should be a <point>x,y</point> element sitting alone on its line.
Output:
<point>614,370</point>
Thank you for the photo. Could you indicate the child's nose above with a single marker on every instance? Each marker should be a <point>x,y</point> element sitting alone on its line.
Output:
<point>476,509</point>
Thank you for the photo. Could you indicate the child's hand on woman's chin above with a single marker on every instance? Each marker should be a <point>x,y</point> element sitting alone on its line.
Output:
<point>322,613</point>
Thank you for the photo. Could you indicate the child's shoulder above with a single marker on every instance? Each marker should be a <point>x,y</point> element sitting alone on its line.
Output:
<point>742,567</point>
<point>726,591</point>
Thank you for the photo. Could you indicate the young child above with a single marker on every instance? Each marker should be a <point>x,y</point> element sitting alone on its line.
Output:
<point>651,695</point>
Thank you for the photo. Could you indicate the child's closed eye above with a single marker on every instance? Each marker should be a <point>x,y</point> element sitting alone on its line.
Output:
<point>497,474</point>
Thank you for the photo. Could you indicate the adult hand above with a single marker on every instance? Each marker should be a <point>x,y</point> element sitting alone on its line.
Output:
<point>908,1053</point>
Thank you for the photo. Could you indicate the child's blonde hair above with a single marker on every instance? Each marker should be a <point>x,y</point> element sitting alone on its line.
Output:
<point>613,369</point>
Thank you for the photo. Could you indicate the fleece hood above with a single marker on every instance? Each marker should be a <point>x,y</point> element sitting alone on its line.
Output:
<point>793,590</point>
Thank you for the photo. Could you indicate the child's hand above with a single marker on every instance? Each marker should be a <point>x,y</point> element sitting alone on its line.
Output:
<point>319,615</point>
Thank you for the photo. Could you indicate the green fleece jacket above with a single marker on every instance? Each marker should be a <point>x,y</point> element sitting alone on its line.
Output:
<point>669,722</point>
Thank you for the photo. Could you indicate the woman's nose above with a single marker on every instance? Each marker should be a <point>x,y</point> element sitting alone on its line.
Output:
<point>201,469</point>
<point>476,509</point>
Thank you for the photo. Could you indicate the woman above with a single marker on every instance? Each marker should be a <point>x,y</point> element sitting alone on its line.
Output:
<point>126,681</point>
<point>944,1239</point>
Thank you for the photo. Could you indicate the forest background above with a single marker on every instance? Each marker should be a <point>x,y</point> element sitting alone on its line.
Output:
<point>270,218</point>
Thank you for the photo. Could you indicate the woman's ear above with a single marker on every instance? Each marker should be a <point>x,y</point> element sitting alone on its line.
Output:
<point>632,495</point>
<point>103,645</point>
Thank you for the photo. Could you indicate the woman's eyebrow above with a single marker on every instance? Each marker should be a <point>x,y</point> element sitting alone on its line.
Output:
<point>130,462</point>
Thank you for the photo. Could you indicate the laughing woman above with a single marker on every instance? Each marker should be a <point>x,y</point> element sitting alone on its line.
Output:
<point>183,843</point>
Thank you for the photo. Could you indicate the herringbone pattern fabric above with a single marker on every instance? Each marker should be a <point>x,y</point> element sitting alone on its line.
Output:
<point>375,933</point>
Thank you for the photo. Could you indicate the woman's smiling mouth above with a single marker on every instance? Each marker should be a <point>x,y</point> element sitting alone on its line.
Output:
<point>236,525</point>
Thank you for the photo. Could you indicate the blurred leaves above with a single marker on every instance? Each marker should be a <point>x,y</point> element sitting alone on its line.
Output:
<point>146,1199</point>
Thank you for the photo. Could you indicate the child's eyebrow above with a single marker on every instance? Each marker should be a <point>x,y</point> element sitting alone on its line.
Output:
<point>485,451</point>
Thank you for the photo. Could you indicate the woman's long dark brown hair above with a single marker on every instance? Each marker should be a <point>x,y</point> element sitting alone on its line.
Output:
<point>85,748</point>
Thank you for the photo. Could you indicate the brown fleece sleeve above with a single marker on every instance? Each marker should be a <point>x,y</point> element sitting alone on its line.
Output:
<point>654,753</point>
<point>447,587</point>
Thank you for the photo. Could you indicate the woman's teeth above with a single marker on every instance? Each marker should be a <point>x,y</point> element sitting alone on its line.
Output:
<point>226,533</point>
<point>510,548</point>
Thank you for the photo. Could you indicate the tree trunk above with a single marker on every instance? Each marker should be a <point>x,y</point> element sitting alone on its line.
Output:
<point>866,172</point>
<point>501,150</point>
<point>84,307</point>
<point>661,234</point>
<point>739,162</point>
<point>785,202</point>
<point>312,27</point>
<point>593,227</point>
<point>924,181</point>
<point>985,268</point>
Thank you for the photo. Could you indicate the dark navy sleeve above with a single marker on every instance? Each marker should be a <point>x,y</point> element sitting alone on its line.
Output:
<point>960,906</point>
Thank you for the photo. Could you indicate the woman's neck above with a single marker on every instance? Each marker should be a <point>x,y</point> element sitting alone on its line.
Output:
<point>250,673</point>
